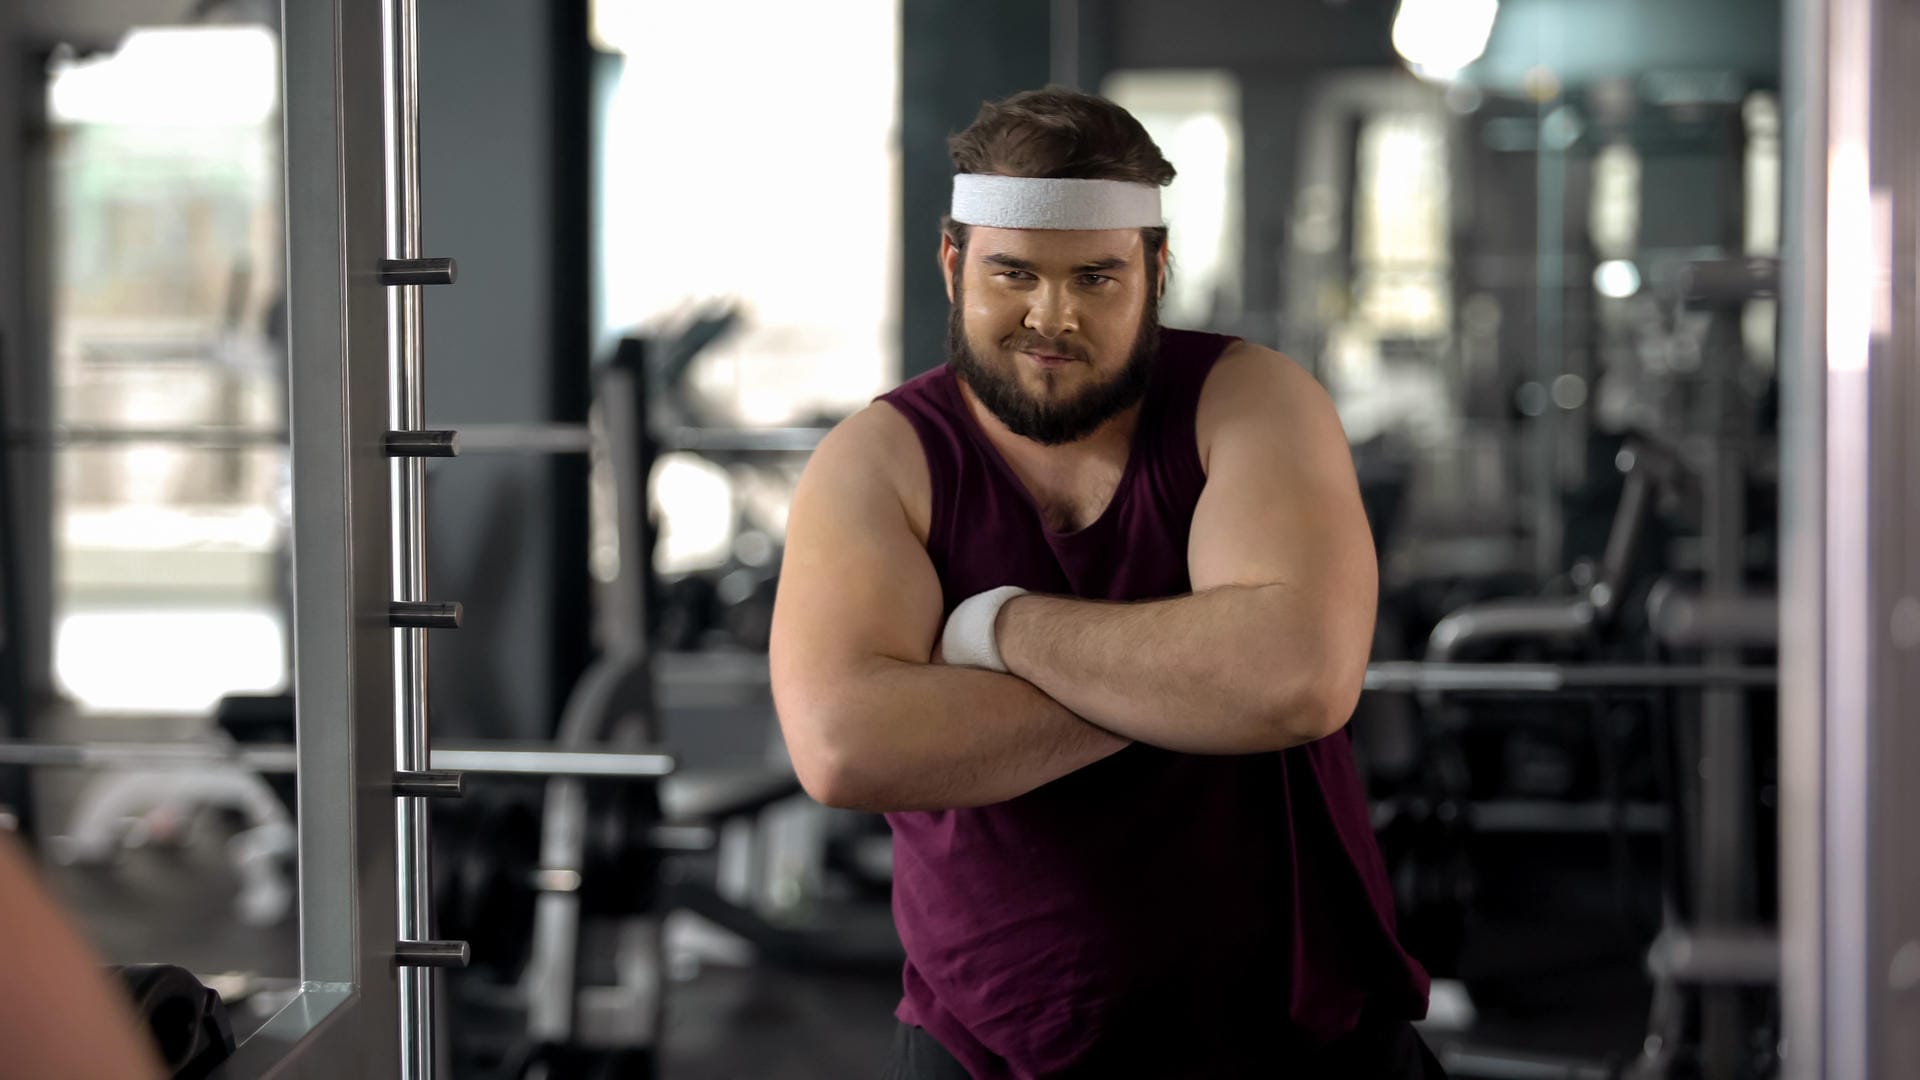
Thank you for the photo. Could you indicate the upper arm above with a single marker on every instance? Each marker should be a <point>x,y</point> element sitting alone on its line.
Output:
<point>856,584</point>
<point>1281,504</point>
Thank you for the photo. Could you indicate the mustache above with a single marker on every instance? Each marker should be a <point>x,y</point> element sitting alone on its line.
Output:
<point>1045,347</point>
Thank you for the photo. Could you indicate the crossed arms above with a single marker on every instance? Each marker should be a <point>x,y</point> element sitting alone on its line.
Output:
<point>1267,652</point>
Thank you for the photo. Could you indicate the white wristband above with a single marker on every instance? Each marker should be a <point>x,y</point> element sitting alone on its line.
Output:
<point>969,638</point>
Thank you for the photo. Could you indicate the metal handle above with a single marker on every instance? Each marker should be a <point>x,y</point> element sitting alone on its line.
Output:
<point>424,615</point>
<point>431,954</point>
<point>418,271</point>
<point>430,784</point>
<point>423,444</point>
<point>407,368</point>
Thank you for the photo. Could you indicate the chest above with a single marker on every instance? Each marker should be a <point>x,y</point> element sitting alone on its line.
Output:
<point>1119,534</point>
<point>1071,502</point>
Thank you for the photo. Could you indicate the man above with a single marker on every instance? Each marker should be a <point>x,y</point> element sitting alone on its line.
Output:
<point>1084,612</point>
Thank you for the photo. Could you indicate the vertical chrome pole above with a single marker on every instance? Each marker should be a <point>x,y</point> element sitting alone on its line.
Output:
<point>1847,668</point>
<point>1849,888</point>
<point>406,364</point>
<point>1803,639</point>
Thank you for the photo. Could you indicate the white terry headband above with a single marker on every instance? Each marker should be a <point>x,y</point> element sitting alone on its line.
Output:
<point>1023,202</point>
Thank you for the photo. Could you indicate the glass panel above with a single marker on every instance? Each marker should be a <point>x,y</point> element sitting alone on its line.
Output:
<point>1194,117</point>
<point>813,337</point>
<point>171,499</point>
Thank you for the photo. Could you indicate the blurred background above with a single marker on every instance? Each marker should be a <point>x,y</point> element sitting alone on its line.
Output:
<point>1530,246</point>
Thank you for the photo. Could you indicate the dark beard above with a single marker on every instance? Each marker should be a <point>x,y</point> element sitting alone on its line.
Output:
<point>1054,423</point>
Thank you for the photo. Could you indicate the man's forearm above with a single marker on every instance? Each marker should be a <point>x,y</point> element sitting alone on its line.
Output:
<point>909,736</point>
<point>1219,672</point>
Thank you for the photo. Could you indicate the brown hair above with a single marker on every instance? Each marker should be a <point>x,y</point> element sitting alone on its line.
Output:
<point>1059,134</point>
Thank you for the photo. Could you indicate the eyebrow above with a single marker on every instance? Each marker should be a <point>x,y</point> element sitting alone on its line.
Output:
<point>1111,262</point>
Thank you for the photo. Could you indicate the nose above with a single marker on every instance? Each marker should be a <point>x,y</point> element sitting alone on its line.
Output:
<point>1051,313</point>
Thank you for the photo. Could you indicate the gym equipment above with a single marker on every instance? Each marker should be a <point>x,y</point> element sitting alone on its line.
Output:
<point>1660,643</point>
<point>137,806</point>
<point>187,1019</point>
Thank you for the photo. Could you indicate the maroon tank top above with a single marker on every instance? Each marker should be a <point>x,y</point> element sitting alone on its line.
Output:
<point>1154,914</point>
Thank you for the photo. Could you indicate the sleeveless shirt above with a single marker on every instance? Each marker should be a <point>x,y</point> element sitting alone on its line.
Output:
<point>1155,913</point>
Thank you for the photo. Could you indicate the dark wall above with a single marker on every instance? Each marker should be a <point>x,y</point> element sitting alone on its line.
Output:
<point>15,795</point>
<point>1254,35</point>
<point>24,310</point>
<point>498,531</point>
<point>954,54</point>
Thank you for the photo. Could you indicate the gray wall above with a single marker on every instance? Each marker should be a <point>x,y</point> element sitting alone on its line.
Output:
<point>1250,34</point>
<point>954,55</point>
<point>486,200</point>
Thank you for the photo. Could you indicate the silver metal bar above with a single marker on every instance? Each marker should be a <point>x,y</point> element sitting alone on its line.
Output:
<point>434,444</point>
<point>192,438</point>
<point>1848,866</point>
<point>431,954</point>
<point>534,762</point>
<point>525,438</point>
<point>1410,676</point>
<point>146,755</point>
<point>405,269</point>
<point>577,439</point>
<point>418,271</point>
<point>488,759</point>
<point>792,440</point>
<point>426,615</point>
<point>1497,620</point>
<point>432,784</point>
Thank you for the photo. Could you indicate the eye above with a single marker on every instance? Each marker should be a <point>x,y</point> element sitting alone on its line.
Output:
<point>1015,275</point>
<point>1094,280</point>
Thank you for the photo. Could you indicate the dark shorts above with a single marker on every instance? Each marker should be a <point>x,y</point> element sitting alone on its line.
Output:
<point>1376,1050</point>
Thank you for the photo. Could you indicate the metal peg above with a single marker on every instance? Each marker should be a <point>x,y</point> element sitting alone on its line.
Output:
<point>440,954</point>
<point>423,444</point>
<point>430,784</point>
<point>417,271</point>
<point>424,615</point>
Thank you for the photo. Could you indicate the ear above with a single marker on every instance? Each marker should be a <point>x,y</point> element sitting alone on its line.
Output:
<point>949,263</point>
<point>1160,279</point>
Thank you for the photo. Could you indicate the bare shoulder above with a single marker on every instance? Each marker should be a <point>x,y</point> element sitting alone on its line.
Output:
<point>1252,384</point>
<point>877,448</point>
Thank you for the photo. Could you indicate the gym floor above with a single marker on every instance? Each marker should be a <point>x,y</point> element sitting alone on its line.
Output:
<point>726,1022</point>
